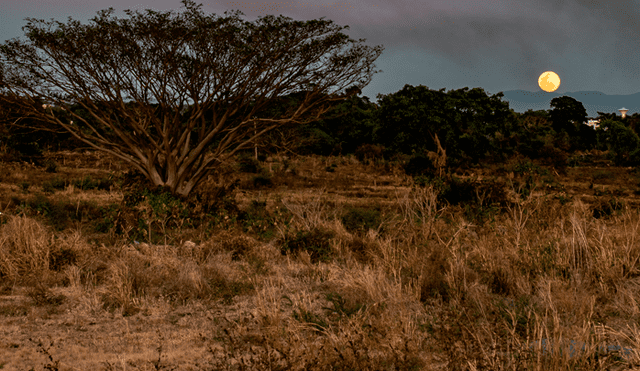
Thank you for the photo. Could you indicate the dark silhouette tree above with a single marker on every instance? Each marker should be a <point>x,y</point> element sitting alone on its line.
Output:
<point>344,128</point>
<point>341,130</point>
<point>148,80</point>
<point>535,134</point>
<point>410,117</point>
<point>607,116</point>
<point>23,137</point>
<point>566,114</point>
<point>620,140</point>
<point>468,123</point>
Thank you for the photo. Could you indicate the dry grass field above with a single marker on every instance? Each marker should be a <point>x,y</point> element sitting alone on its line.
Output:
<point>325,264</point>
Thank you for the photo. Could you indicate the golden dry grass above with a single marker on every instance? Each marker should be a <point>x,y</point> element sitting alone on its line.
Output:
<point>544,286</point>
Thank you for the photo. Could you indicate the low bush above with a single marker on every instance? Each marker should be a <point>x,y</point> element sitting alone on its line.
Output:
<point>316,242</point>
<point>52,185</point>
<point>360,220</point>
<point>59,214</point>
<point>434,284</point>
<point>88,183</point>
<point>257,219</point>
<point>248,164</point>
<point>262,181</point>
<point>367,153</point>
<point>606,208</point>
<point>331,168</point>
<point>50,166</point>
<point>419,164</point>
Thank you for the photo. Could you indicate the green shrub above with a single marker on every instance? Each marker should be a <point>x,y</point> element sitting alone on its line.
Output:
<point>262,180</point>
<point>458,191</point>
<point>606,208</point>
<point>358,219</point>
<point>256,217</point>
<point>434,283</point>
<point>331,168</point>
<point>439,183</point>
<point>59,214</point>
<point>26,149</point>
<point>480,200</point>
<point>24,186</point>
<point>149,214</point>
<point>50,166</point>
<point>480,214</point>
<point>343,307</point>
<point>88,183</point>
<point>163,202</point>
<point>525,167</point>
<point>304,316</point>
<point>248,164</point>
<point>216,199</point>
<point>222,287</point>
<point>501,282</point>
<point>316,242</point>
<point>108,220</point>
<point>621,141</point>
<point>54,184</point>
<point>603,174</point>
<point>555,157</point>
<point>539,260</point>
<point>133,184</point>
<point>419,164</point>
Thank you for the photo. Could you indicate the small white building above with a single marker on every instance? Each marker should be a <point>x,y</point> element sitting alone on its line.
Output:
<point>593,123</point>
<point>596,123</point>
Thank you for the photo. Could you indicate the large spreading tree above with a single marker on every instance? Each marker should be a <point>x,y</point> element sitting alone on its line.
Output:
<point>144,83</point>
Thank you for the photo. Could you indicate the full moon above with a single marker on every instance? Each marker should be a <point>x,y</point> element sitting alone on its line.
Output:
<point>549,81</point>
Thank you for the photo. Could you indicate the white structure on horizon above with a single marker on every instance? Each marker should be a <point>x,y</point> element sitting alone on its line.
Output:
<point>593,123</point>
<point>623,112</point>
<point>596,123</point>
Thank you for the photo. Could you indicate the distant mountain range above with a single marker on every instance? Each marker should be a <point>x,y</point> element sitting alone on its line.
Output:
<point>593,101</point>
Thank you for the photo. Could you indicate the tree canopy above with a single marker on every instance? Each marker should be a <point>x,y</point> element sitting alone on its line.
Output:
<point>567,114</point>
<point>145,82</point>
<point>468,123</point>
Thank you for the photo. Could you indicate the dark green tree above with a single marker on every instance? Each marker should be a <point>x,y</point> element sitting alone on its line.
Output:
<point>24,137</point>
<point>607,116</point>
<point>633,121</point>
<point>410,117</point>
<point>566,114</point>
<point>116,69</point>
<point>535,133</point>
<point>620,140</point>
<point>483,121</point>
<point>346,126</point>
<point>469,123</point>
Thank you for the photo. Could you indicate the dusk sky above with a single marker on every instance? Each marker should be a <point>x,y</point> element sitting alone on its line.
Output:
<point>497,45</point>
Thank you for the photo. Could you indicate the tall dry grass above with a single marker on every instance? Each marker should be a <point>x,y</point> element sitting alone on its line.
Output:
<point>24,247</point>
<point>544,287</point>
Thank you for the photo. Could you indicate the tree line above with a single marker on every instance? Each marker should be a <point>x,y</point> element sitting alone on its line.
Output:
<point>175,94</point>
<point>470,124</point>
